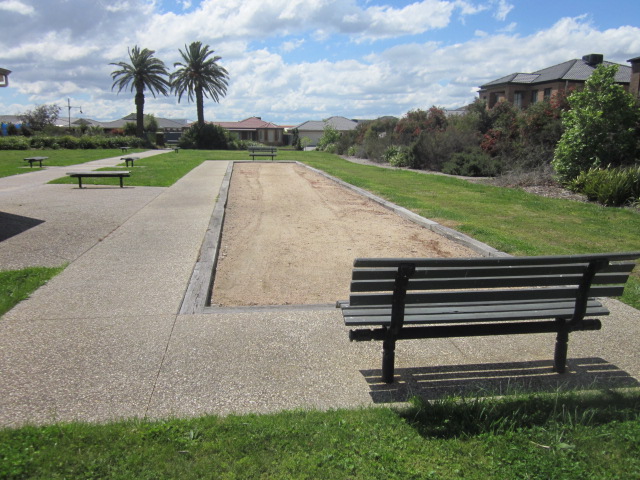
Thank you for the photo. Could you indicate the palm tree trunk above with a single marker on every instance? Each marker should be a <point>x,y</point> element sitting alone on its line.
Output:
<point>139,112</point>
<point>200,105</point>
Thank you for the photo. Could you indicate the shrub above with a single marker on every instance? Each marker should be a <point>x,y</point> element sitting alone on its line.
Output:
<point>397,156</point>
<point>611,187</point>
<point>205,137</point>
<point>433,149</point>
<point>329,139</point>
<point>14,143</point>
<point>473,164</point>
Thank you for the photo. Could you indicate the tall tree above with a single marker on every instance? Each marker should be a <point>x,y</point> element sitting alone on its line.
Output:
<point>144,72</point>
<point>599,129</point>
<point>199,75</point>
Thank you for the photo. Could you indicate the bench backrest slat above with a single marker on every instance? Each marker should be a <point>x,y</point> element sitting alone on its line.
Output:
<point>491,261</point>
<point>466,296</point>
<point>487,282</point>
<point>389,273</point>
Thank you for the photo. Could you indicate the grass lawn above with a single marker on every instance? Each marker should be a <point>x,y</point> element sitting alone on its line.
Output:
<point>12,161</point>
<point>534,436</point>
<point>17,285</point>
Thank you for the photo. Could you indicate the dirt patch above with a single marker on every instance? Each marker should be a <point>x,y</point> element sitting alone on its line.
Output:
<point>290,237</point>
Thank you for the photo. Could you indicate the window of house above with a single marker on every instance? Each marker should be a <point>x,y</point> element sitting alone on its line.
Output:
<point>534,96</point>
<point>547,93</point>
<point>517,99</point>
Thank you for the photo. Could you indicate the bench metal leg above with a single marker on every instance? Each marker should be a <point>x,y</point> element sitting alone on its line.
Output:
<point>388,359</point>
<point>79,182</point>
<point>560,356</point>
<point>121,182</point>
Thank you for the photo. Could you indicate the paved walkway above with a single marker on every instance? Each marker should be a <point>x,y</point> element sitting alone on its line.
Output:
<point>104,340</point>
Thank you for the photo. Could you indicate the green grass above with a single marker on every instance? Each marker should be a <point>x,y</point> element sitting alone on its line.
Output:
<point>12,161</point>
<point>17,285</point>
<point>566,435</point>
<point>533,436</point>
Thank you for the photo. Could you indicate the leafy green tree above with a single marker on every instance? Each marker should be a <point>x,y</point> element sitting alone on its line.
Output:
<point>330,137</point>
<point>41,116</point>
<point>600,128</point>
<point>145,72</point>
<point>199,76</point>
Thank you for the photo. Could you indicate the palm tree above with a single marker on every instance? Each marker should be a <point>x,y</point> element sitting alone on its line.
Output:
<point>144,72</point>
<point>199,75</point>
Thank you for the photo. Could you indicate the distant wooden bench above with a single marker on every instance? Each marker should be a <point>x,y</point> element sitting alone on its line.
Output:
<point>173,145</point>
<point>124,149</point>
<point>129,160</point>
<point>259,151</point>
<point>438,298</point>
<point>114,174</point>
<point>31,160</point>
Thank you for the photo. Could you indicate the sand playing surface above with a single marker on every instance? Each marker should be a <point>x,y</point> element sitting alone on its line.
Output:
<point>290,237</point>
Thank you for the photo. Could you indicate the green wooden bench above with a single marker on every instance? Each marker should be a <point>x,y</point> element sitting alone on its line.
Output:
<point>114,174</point>
<point>174,145</point>
<point>129,160</point>
<point>261,151</point>
<point>416,298</point>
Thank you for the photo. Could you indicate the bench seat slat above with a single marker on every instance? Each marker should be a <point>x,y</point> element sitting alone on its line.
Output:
<point>541,294</point>
<point>485,282</point>
<point>474,272</point>
<point>437,308</point>
<point>455,314</point>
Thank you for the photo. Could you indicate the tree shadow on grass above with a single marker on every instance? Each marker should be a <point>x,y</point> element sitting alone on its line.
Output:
<point>12,225</point>
<point>495,379</point>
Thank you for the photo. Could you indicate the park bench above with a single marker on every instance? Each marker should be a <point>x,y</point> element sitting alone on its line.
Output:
<point>174,145</point>
<point>129,160</point>
<point>124,149</point>
<point>461,297</point>
<point>114,174</point>
<point>32,160</point>
<point>260,151</point>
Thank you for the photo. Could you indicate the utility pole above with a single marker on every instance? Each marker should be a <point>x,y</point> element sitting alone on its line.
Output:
<point>69,107</point>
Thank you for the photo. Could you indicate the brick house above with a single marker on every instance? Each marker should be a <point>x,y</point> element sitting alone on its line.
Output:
<point>257,130</point>
<point>524,89</point>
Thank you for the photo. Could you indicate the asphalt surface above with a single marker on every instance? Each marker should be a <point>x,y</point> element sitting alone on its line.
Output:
<point>104,340</point>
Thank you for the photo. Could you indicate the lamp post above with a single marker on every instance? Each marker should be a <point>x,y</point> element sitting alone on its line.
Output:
<point>69,107</point>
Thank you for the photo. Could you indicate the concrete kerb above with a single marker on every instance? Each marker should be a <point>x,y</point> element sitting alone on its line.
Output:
<point>198,294</point>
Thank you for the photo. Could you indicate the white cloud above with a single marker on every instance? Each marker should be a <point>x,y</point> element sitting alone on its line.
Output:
<point>502,9</point>
<point>16,6</point>
<point>291,45</point>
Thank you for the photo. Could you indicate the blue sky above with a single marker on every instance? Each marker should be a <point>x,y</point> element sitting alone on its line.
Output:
<point>295,60</point>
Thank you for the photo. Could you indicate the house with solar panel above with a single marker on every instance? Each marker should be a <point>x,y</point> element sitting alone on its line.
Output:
<point>524,89</point>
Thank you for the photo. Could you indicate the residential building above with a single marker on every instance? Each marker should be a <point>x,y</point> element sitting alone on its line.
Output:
<point>634,85</point>
<point>4,77</point>
<point>313,129</point>
<point>255,129</point>
<point>524,89</point>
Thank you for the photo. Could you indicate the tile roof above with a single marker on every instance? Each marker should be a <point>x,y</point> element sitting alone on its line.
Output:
<point>576,70</point>
<point>339,123</point>
<point>251,123</point>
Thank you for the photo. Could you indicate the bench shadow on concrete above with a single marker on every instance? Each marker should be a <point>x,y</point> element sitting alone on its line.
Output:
<point>489,379</point>
<point>13,225</point>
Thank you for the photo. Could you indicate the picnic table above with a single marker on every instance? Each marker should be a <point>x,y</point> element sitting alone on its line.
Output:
<point>124,149</point>
<point>35,159</point>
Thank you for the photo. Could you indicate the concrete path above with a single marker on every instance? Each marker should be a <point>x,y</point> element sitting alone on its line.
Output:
<point>104,339</point>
